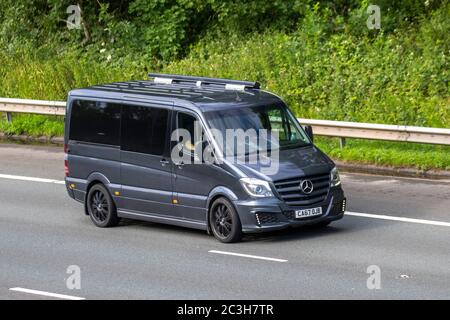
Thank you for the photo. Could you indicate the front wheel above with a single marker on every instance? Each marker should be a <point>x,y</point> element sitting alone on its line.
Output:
<point>101,207</point>
<point>224,221</point>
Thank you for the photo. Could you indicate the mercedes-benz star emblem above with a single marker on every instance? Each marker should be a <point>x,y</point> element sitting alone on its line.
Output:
<point>306,186</point>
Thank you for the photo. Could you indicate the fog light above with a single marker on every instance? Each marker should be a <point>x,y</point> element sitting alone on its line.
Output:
<point>257,219</point>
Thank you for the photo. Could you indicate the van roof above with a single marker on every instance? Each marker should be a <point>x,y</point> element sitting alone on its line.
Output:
<point>204,93</point>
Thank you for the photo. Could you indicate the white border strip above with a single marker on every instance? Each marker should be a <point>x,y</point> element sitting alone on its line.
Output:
<point>402,219</point>
<point>46,294</point>
<point>32,179</point>
<point>247,256</point>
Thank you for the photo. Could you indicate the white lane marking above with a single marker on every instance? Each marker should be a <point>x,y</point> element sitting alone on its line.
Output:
<point>246,256</point>
<point>402,219</point>
<point>33,179</point>
<point>46,294</point>
<point>356,214</point>
<point>352,178</point>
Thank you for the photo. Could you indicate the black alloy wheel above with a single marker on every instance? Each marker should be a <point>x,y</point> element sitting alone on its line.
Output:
<point>225,222</point>
<point>101,207</point>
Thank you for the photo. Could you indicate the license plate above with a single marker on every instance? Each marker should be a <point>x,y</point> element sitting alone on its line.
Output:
<point>304,213</point>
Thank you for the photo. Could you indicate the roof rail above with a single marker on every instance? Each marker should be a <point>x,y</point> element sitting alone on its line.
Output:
<point>199,81</point>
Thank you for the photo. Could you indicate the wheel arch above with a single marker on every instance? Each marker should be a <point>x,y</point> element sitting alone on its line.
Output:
<point>94,179</point>
<point>216,193</point>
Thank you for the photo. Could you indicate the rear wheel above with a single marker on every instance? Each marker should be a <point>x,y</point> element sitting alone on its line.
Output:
<point>101,207</point>
<point>224,221</point>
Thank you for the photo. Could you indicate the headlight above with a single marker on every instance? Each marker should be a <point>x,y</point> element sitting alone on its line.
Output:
<point>257,188</point>
<point>334,177</point>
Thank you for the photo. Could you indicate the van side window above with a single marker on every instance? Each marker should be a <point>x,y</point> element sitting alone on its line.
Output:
<point>144,129</point>
<point>187,122</point>
<point>95,122</point>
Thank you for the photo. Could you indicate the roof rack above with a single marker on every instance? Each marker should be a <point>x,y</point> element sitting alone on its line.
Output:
<point>200,81</point>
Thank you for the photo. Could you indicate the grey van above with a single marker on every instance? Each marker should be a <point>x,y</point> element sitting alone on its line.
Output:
<point>120,142</point>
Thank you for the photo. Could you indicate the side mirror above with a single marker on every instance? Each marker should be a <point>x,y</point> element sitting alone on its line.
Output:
<point>309,132</point>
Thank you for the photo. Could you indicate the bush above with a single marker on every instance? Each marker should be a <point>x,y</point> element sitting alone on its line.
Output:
<point>398,78</point>
<point>318,55</point>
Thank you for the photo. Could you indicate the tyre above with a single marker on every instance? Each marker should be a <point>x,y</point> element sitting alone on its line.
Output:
<point>224,221</point>
<point>101,207</point>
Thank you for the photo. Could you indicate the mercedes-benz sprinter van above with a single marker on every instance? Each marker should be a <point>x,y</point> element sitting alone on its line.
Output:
<point>219,155</point>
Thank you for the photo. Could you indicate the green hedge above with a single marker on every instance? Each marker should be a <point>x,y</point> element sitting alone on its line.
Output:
<point>326,66</point>
<point>319,56</point>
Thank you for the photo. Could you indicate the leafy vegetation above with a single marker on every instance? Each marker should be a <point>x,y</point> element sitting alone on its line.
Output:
<point>318,55</point>
<point>395,154</point>
<point>34,125</point>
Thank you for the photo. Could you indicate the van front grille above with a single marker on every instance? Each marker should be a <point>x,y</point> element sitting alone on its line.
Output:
<point>291,192</point>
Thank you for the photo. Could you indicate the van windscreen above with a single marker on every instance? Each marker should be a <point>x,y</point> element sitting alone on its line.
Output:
<point>274,126</point>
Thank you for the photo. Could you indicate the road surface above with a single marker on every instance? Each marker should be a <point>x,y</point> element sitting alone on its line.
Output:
<point>401,226</point>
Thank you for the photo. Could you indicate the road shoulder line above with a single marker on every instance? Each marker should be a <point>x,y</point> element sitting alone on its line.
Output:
<point>247,256</point>
<point>401,219</point>
<point>46,294</point>
<point>32,179</point>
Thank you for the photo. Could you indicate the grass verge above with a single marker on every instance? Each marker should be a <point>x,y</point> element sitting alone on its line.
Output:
<point>33,125</point>
<point>395,154</point>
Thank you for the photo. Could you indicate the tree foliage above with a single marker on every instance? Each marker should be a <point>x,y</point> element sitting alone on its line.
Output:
<point>319,55</point>
<point>164,29</point>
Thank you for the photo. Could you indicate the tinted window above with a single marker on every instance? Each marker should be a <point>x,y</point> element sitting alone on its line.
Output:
<point>187,122</point>
<point>144,129</point>
<point>95,122</point>
<point>280,127</point>
<point>191,137</point>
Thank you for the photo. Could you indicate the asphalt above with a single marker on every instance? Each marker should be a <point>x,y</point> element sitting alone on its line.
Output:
<point>43,232</point>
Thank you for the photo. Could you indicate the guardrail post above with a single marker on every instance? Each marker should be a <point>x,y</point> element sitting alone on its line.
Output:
<point>8,116</point>
<point>341,142</point>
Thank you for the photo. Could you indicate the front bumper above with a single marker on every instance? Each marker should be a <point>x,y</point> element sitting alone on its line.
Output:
<point>261,215</point>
